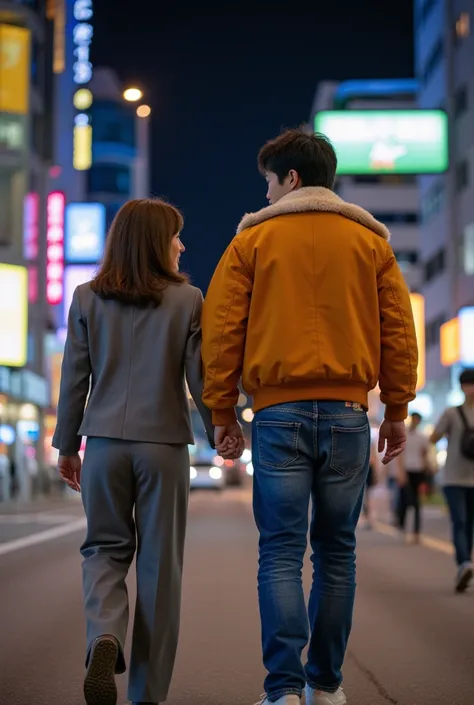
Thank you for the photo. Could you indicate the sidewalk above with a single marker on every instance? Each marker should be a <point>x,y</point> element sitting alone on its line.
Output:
<point>435,521</point>
<point>41,503</point>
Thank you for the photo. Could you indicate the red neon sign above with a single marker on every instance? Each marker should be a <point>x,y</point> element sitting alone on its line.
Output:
<point>55,248</point>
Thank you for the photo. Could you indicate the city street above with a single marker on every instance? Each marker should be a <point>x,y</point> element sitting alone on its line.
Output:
<point>412,642</point>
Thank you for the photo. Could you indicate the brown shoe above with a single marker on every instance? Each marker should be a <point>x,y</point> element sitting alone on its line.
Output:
<point>99,683</point>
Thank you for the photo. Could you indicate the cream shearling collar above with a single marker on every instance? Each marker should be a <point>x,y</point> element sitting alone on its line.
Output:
<point>318,199</point>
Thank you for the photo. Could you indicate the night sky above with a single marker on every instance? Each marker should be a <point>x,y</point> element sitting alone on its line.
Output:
<point>223,81</point>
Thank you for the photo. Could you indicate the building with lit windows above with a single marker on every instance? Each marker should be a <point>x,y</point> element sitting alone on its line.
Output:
<point>383,142</point>
<point>391,198</point>
<point>26,47</point>
<point>100,154</point>
<point>444,57</point>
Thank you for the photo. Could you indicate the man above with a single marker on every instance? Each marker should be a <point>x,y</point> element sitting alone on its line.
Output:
<point>309,306</point>
<point>413,473</point>
<point>457,424</point>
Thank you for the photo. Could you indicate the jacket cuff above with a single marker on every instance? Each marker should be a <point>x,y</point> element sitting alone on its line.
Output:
<point>396,412</point>
<point>224,417</point>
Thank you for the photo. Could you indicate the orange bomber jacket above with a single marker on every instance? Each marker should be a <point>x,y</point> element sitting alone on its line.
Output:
<point>308,303</point>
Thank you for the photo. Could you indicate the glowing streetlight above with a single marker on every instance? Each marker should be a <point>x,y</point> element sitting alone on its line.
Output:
<point>144,111</point>
<point>133,94</point>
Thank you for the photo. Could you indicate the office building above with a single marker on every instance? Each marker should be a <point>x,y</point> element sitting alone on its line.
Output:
<point>444,58</point>
<point>26,44</point>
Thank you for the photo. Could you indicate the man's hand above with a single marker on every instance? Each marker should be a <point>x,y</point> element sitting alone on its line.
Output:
<point>392,439</point>
<point>229,441</point>
<point>69,467</point>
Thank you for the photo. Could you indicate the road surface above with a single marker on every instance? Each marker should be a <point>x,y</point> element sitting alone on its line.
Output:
<point>412,643</point>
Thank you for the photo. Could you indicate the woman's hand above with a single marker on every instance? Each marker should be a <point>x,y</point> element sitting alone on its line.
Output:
<point>229,441</point>
<point>69,468</point>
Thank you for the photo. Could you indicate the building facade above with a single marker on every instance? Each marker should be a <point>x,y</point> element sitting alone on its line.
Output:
<point>100,152</point>
<point>393,199</point>
<point>444,57</point>
<point>26,43</point>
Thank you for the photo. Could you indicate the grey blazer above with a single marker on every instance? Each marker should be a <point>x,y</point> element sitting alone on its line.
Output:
<point>134,362</point>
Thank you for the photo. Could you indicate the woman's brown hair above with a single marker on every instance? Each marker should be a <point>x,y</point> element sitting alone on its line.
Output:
<point>137,264</point>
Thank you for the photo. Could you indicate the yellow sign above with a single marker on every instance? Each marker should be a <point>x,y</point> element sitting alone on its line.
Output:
<point>82,157</point>
<point>13,315</point>
<point>14,69</point>
<point>450,342</point>
<point>418,308</point>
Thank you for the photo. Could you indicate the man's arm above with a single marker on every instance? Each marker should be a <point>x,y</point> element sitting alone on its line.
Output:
<point>224,326</point>
<point>399,349</point>
<point>74,388</point>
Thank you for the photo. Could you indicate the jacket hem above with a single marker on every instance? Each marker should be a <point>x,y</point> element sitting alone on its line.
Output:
<point>315,391</point>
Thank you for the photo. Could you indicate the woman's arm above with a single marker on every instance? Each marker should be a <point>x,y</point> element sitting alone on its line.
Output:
<point>193,367</point>
<point>75,378</point>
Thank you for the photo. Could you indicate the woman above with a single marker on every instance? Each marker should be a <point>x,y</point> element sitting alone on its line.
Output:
<point>133,334</point>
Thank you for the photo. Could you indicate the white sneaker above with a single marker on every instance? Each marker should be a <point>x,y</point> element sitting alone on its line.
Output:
<point>464,577</point>
<point>285,700</point>
<point>319,697</point>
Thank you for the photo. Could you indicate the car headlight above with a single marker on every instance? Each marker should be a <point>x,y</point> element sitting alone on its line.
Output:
<point>215,473</point>
<point>247,456</point>
<point>192,473</point>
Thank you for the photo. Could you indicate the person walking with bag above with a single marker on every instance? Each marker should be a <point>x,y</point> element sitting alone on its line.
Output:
<point>457,425</point>
<point>134,334</point>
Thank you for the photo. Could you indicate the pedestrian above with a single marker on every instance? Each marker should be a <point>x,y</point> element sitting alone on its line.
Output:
<point>457,425</point>
<point>309,305</point>
<point>414,470</point>
<point>133,335</point>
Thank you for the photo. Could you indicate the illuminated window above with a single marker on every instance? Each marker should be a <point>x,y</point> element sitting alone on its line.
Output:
<point>468,250</point>
<point>463,25</point>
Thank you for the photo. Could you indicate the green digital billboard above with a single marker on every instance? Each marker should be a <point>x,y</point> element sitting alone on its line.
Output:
<point>387,141</point>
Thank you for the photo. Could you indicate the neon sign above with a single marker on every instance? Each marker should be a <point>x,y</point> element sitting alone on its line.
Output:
<point>31,226</point>
<point>55,247</point>
<point>82,37</point>
<point>82,74</point>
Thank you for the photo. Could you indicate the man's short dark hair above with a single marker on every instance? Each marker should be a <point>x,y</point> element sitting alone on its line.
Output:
<point>312,156</point>
<point>416,415</point>
<point>467,376</point>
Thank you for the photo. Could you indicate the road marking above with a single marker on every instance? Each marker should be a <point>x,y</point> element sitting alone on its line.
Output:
<point>42,518</point>
<point>428,541</point>
<point>43,536</point>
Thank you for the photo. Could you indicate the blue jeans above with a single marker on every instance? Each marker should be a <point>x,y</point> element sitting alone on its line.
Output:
<point>461,509</point>
<point>318,450</point>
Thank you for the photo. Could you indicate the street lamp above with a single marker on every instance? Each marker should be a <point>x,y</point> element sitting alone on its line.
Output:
<point>133,95</point>
<point>143,111</point>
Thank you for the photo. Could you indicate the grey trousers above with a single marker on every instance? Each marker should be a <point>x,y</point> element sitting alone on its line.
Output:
<point>135,496</point>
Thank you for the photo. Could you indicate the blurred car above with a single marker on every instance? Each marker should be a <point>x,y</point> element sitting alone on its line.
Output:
<point>238,471</point>
<point>204,476</point>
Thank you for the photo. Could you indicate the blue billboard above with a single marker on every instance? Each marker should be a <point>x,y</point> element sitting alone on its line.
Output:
<point>85,232</point>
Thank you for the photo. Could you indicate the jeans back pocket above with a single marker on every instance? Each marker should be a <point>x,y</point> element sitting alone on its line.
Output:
<point>349,448</point>
<point>277,443</point>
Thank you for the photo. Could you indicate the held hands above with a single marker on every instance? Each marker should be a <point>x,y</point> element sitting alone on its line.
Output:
<point>229,441</point>
<point>392,439</point>
<point>69,468</point>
